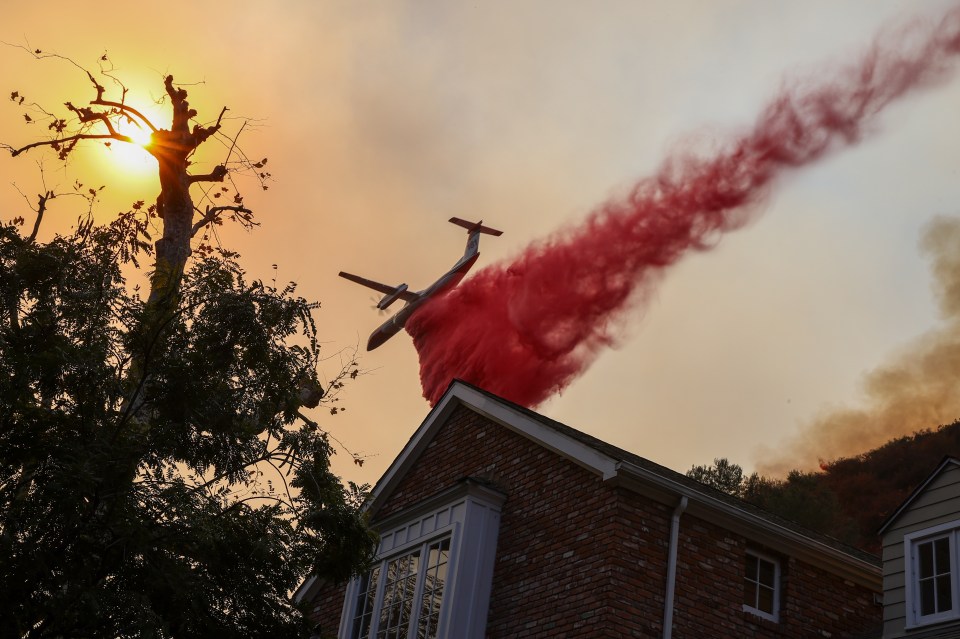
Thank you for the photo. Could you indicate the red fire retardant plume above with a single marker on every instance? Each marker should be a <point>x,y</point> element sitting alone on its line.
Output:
<point>524,330</point>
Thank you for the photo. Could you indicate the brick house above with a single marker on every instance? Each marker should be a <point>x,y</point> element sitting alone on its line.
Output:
<point>496,521</point>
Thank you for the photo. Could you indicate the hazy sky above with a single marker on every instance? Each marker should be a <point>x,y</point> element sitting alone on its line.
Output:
<point>381,120</point>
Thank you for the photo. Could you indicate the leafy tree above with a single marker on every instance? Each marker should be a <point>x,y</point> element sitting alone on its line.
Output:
<point>848,498</point>
<point>802,497</point>
<point>159,474</point>
<point>723,475</point>
<point>806,499</point>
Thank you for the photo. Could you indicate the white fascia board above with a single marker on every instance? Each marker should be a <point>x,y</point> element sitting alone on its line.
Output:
<point>411,451</point>
<point>950,461</point>
<point>762,530</point>
<point>307,589</point>
<point>504,415</point>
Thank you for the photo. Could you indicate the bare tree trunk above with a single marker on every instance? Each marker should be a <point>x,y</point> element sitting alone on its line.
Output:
<point>175,206</point>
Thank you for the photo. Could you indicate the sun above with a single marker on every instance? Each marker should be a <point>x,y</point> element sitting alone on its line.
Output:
<point>140,135</point>
<point>132,157</point>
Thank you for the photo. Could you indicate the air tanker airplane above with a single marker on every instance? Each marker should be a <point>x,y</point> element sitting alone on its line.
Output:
<point>414,300</point>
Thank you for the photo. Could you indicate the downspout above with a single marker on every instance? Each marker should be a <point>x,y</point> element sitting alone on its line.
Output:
<point>672,568</point>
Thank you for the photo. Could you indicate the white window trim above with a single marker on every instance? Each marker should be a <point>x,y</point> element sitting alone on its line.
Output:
<point>473,538</point>
<point>423,542</point>
<point>950,530</point>
<point>777,588</point>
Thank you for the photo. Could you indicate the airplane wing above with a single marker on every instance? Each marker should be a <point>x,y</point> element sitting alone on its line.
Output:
<point>391,292</point>
<point>377,286</point>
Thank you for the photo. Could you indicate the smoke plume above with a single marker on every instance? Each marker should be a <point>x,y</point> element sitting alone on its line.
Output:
<point>917,389</point>
<point>525,329</point>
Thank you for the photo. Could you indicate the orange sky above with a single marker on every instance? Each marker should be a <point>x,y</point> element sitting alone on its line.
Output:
<point>381,120</point>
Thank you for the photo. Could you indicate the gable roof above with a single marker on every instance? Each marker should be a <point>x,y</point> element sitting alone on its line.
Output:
<point>945,463</point>
<point>617,466</point>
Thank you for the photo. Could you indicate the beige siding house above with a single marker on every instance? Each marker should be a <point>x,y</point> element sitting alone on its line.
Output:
<point>921,560</point>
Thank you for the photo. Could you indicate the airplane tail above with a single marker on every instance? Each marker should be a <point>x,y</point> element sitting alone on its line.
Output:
<point>475,226</point>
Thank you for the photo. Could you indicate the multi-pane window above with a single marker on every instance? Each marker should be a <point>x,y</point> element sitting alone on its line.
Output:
<point>366,599</point>
<point>434,570</point>
<point>385,607</point>
<point>932,574</point>
<point>761,586</point>
<point>434,579</point>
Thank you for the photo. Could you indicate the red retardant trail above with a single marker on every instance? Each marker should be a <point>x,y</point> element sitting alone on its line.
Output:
<point>524,330</point>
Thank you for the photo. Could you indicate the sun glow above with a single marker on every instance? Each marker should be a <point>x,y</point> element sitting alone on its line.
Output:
<point>133,156</point>
<point>139,135</point>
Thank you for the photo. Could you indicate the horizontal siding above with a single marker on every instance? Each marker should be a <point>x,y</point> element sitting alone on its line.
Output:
<point>941,498</point>
<point>934,495</point>
<point>893,582</point>
<point>893,629</point>
<point>892,612</point>
<point>939,503</point>
<point>892,545</point>
<point>893,565</point>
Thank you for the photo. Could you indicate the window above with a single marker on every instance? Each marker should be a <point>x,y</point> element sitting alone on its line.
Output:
<point>401,581</point>
<point>434,570</point>
<point>761,586</point>
<point>932,575</point>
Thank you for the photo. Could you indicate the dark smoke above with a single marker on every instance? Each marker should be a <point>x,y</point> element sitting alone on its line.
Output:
<point>916,390</point>
<point>526,329</point>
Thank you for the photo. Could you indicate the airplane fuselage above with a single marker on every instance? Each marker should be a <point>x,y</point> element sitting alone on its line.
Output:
<point>415,300</point>
<point>396,323</point>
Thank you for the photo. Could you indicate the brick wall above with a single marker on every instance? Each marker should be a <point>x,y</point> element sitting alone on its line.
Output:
<point>710,568</point>
<point>552,574</point>
<point>325,609</point>
<point>580,558</point>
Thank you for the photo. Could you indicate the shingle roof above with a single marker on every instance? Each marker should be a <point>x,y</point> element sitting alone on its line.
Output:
<point>622,455</point>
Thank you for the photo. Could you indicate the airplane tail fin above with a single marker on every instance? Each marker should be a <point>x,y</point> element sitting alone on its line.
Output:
<point>475,226</point>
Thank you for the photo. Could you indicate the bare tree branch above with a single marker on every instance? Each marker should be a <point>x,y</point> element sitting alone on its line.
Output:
<point>212,213</point>
<point>201,133</point>
<point>73,138</point>
<point>216,175</point>
<point>233,142</point>
<point>127,110</point>
<point>41,207</point>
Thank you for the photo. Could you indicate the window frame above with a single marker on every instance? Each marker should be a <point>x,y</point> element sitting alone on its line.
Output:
<point>423,544</point>
<point>468,513</point>
<point>911,543</point>
<point>777,585</point>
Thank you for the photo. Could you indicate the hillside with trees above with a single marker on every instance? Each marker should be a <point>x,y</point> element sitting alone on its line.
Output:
<point>848,498</point>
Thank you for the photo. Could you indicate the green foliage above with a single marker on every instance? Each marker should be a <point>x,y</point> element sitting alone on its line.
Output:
<point>188,499</point>
<point>805,499</point>
<point>723,475</point>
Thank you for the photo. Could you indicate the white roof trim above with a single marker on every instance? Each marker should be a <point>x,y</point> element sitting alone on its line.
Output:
<point>850,566</point>
<point>459,393</point>
<point>949,461</point>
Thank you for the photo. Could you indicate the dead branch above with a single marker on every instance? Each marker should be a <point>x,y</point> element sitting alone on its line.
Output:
<point>233,142</point>
<point>212,213</point>
<point>41,207</point>
<point>216,175</point>
<point>201,133</point>
<point>128,111</point>
<point>55,143</point>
